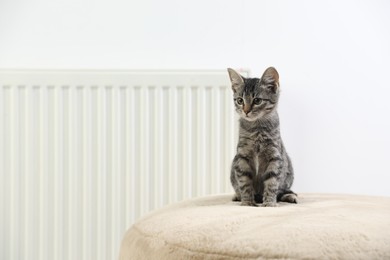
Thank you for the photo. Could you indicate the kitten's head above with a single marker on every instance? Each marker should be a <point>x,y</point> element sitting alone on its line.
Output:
<point>255,98</point>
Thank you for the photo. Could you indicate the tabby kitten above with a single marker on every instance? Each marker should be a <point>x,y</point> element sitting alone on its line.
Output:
<point>261,170</point>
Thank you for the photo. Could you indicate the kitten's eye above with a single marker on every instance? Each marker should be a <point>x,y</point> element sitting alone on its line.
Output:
<point>257,101</point>
<point>240,101</point>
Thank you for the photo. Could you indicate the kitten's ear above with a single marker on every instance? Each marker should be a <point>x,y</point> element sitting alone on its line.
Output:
<point>236,79</point>
<point>271,78</point>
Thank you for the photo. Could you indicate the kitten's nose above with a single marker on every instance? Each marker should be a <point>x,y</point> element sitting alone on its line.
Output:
<point>247,109</point>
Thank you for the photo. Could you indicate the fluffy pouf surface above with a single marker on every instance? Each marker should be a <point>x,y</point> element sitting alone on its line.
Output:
<point>321,226</point>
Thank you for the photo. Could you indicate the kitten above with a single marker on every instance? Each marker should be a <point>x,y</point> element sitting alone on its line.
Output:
<point>261,170</point>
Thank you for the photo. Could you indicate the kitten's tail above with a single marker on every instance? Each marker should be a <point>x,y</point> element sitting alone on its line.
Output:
<point>288,196</point>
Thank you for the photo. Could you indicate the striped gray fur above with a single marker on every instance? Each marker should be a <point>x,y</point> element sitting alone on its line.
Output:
<point>261,170</point>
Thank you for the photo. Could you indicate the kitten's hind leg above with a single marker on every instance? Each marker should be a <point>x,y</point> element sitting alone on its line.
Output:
<point>288,196</point>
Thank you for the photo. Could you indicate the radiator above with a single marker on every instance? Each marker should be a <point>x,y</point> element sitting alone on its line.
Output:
<point>84,154</point>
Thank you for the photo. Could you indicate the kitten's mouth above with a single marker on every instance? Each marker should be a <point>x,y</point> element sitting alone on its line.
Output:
<point>249,118</point>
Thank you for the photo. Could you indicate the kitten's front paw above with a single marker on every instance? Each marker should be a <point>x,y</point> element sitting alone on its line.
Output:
<point>269,204</point>
<point>248,203</point>
<point>236,198</point>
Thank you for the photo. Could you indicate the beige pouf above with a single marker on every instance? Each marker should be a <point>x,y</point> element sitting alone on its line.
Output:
<point>319,227</point>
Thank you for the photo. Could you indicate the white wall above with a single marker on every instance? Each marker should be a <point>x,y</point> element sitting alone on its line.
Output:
<point>333,58</point>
